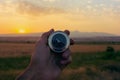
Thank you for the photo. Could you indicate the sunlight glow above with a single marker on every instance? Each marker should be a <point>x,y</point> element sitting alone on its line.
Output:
<point>22,31</point>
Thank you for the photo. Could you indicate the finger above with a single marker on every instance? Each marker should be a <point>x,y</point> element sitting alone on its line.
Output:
<point>46,35</point>
<point>72,42</point>
<point>66,54</point>
<point>67,32</point>
<point>66,62</point>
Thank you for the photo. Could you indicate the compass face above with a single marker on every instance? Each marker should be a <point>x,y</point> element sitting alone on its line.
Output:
<point>58,42</point>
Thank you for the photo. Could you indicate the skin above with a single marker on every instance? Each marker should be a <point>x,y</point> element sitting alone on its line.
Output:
<point>44,64</point>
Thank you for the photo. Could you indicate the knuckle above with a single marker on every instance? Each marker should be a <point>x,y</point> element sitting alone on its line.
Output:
<point>70,59</point>
<point>44,34</point>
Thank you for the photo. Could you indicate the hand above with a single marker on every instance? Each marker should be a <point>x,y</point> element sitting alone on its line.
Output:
<point>44,63</point>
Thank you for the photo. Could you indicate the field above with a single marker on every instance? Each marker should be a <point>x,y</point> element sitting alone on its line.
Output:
<point>90,61</point>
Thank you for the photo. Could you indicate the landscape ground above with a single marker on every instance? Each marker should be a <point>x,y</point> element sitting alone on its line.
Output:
<point>90,61</point>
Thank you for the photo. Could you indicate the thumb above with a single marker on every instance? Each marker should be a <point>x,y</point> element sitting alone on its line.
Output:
<point>47,34</point>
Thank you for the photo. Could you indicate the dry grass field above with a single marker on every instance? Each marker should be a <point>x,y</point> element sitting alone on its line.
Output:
<point>89,48</point>
<point>17,49</point>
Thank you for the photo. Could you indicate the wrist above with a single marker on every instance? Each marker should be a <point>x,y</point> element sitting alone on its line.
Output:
<point>44,73</point>
<point>35,73</point>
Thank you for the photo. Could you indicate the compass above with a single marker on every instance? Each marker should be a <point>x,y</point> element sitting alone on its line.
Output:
<point>58,41</point>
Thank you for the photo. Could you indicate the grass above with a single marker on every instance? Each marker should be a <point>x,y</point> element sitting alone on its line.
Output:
<point>94,66</point>
<point>10,67</point>
<point>14,63</point>
<point>96,59</point>
<point>88,66</point>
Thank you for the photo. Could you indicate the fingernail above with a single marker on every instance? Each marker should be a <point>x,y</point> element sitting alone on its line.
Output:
<point>52,30</point>
<point>67,32</point>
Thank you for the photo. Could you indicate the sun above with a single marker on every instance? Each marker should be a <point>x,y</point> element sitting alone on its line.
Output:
<point>22,31</point>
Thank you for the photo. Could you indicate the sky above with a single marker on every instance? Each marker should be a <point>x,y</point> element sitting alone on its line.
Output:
<point>29,16</point>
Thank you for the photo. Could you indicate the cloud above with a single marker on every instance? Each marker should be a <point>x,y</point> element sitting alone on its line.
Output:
<point>50,0</point>
<point>44,7</point>
<point>25,7</point>
<point>7,8</point>
<point>116,0</point>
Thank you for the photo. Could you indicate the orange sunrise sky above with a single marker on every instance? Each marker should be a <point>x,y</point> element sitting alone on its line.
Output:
<point>29,16</point>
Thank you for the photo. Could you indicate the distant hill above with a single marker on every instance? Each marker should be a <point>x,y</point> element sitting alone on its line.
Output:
<point>75,34</point>
<point>29,39</point>
<point>79,37</point>
<point>78,34</point>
